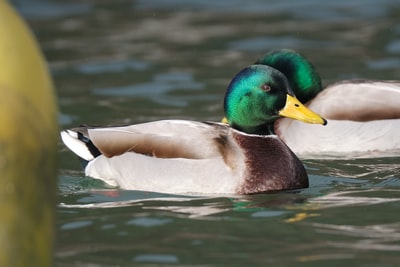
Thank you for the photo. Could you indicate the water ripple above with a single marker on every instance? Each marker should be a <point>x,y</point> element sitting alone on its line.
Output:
<point>261,43</point>
<point>371,237</point>
<point>113,66</point>
<point>156,258</point>
<point>158,89</point>
<point>347,198</point>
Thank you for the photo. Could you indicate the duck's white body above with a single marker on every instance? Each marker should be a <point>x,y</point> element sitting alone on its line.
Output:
<point>363,121</point>
<point>176,156</point>
<point>140,172</point>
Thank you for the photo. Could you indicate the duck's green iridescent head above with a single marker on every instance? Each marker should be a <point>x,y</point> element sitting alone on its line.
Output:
<point>304,80</point>
<point>257,96</point>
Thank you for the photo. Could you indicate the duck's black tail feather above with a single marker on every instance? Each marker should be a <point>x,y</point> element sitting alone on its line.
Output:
<point>78,141</point>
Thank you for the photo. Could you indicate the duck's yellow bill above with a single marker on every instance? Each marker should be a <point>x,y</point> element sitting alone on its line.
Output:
<point>225,120</point>
<point>294,109</point>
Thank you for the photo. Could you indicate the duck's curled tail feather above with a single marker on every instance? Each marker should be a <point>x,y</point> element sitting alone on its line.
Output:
<point>78,141</point>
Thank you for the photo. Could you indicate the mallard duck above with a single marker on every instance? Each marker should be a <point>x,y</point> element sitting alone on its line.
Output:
<point>364,115</point>
<point>177,156</point>
<point>28,140</point>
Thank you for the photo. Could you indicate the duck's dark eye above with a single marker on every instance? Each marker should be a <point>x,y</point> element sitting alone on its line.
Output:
<point>265,87</point>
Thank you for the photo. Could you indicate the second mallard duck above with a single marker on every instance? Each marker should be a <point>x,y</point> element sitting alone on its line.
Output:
<point>364,116</point>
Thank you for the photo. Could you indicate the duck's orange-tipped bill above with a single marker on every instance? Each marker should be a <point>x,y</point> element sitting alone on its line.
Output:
<point>294,109</point>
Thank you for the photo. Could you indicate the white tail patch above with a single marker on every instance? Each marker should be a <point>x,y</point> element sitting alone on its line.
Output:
<point>70,139</point>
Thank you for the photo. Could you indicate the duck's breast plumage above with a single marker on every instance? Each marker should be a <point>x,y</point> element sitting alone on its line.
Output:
<point>269,164</point>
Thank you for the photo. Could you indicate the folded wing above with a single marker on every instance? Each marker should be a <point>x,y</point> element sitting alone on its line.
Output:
<point>359,101</point>
<point>162,139</point>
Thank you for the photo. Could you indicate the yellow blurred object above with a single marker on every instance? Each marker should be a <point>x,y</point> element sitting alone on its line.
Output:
<point>28,139</point>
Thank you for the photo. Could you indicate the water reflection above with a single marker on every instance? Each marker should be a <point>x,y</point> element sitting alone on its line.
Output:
<point>111,66</point>
<point>158,90</point>
<point>355,198</point>
<point>50,9</point>
<point>156,258</point>
<point>258,44</point>
<point>189,206</point>
<point>380,237</point>
<point>303,9</point>
<point>372,168</point>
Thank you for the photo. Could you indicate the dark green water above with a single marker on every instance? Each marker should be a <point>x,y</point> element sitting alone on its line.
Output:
<point>133,61</point>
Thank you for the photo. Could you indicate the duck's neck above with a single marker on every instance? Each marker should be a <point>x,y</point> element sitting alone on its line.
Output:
<point>264,129</point>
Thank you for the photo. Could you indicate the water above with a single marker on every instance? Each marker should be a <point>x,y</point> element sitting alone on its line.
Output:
<point>133,61</point>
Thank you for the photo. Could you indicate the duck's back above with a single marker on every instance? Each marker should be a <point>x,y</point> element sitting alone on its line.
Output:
<point>359,101</point>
